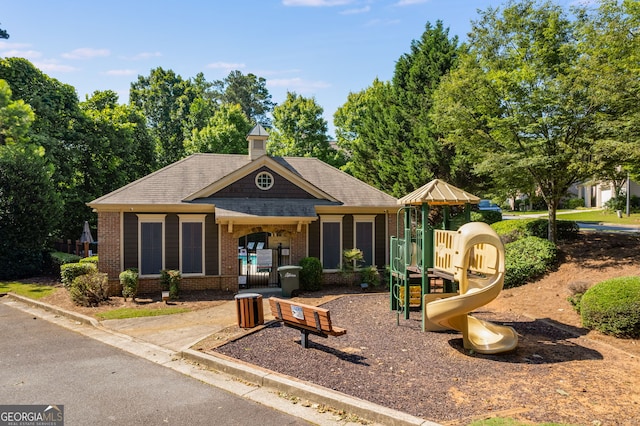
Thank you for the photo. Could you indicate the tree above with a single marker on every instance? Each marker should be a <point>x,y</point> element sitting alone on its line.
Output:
<point>57,128</point>
<point>386,129</point>
<point>516,105</point>
<point>225,133</point>
<point>29,205</point>
<point>250,92</point>
<point>4,34</point>
<point>609,46</point>
<point>120,147</point>
<point>165,99</point>
<point>300,131</point>
<point>15,117</point>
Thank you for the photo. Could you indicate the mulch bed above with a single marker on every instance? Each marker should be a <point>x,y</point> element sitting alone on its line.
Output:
<point>553,375</point>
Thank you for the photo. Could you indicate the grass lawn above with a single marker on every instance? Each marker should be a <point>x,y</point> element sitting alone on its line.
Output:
<point>33,291</point>
<point>122,313</point>
<point>591,215</point>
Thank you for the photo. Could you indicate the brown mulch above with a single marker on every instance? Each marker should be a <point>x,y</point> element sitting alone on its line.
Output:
<point>560,372</point>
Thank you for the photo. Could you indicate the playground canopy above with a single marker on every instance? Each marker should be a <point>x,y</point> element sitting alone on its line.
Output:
<point>438,192</point>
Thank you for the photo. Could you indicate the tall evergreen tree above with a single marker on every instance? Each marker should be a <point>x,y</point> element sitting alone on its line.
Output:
<point>386,129</point>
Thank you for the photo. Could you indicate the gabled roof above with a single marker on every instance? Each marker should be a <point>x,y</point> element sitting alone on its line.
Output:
<point>438,192</point>
<point>185,183</point>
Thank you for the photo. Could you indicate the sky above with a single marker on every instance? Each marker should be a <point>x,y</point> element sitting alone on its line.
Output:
<point>323,49</point>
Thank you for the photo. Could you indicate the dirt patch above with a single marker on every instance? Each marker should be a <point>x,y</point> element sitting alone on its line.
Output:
<point>560,372</point>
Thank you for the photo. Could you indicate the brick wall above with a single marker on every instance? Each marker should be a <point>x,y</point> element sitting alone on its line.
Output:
<point>109,250</point>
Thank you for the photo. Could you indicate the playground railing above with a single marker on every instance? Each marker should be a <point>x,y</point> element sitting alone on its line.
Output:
<point>398,255</point>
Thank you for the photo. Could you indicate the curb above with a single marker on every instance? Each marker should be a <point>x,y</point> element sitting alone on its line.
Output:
<point>317,394</point>
<point>84,319</point>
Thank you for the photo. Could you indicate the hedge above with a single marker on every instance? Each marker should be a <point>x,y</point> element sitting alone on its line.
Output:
<point>311,274</point>
<point>613,307</point>
<point>514,229</point>
<point>527,259</point>
<point>70,271</point>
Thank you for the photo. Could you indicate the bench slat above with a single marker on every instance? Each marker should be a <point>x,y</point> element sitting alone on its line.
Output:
<point>315,319</point>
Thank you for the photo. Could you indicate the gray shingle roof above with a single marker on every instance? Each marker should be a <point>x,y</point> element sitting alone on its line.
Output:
<point>172,184</point>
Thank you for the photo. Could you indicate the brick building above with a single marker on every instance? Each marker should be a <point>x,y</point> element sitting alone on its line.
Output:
<point>228,221</point>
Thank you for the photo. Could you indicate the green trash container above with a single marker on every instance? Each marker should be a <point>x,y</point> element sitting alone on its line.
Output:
<point>289,279</point>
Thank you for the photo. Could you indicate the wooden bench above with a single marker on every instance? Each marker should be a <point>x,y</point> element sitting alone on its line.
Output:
<point>306,318</point>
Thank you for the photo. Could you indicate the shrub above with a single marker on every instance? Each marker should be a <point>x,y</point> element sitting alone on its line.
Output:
<point>129,281</point>
<point>613,307</point>
<point>577,290</point>
<point>486,216</point>
<point>573,203</point>
<point>311,274</point>
<point>170,280</point>
<point>511,230</point>
<point>90,259</point>
<point>90,289</point>
<point>60,257</point>
<point>370,275</point>
<point>526,259</point>
<point>70,271</point>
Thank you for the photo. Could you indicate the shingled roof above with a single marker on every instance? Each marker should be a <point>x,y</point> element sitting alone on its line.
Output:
<point>176,184</point>
<point>438,192</point>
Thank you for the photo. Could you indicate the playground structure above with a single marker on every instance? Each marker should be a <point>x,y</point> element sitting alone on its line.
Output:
<point>448,273</point>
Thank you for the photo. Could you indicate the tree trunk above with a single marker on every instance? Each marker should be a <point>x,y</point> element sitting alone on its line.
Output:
<point>553,207</point>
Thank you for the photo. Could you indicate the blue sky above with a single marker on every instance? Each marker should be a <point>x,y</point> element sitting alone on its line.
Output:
<point>316,48</point>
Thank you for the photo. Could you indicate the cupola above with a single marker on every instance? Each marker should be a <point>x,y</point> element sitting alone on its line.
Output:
<point>257,139</point>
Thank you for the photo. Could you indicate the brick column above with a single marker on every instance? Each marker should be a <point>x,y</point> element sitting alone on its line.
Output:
<point>109,244</point>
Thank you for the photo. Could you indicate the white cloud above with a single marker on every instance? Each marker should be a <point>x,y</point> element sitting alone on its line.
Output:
<point>9,45</point>
<point>229,66</point>
<point>356,11</point>
<point>316,3</point>
<point>85,53</point>
<point>28,54</point>
<point>118,73</point>
<point>145,55</point>
<point>50,66</point>
<point>298,85</point>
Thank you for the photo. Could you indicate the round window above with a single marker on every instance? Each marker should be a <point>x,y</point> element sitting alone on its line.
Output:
<point>264,180</point>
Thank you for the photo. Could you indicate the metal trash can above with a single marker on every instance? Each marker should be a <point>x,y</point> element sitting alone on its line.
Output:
<point>249,309</point>
<point>289,279</point>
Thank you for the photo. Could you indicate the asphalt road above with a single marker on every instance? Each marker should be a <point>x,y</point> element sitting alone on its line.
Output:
<point>42,363</point>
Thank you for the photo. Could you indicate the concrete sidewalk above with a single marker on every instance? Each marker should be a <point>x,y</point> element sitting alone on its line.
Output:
<point>168,340</point>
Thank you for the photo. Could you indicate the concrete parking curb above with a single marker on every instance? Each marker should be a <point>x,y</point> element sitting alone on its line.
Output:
<point>305,390</point>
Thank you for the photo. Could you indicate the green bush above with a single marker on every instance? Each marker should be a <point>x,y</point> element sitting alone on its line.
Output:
<point>613,307</point>
<point>60,258</point>
<point>90,259</point>
<point>129,281</point>
<point>573,203</point>
<point>311,274</point>
<point>70,271</point>
<point>526,259</point>
<point>511,230</point>
<point>486,216</point>
<point>170,280</point>
<point>370,275</point>
<point>90,289</point>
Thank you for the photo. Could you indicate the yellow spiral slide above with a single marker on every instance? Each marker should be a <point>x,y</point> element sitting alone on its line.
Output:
<point>478,266</point>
